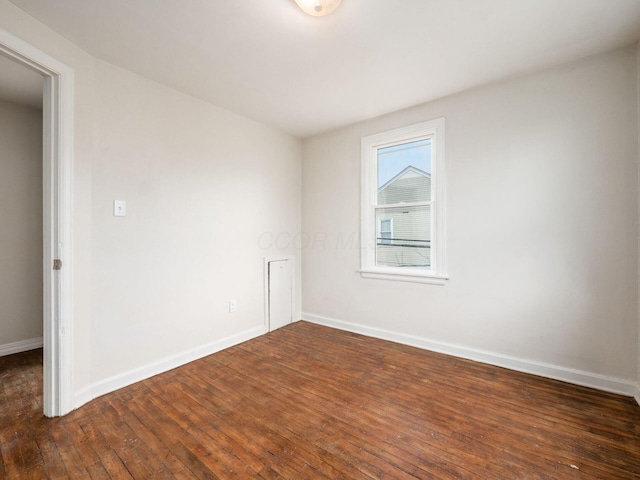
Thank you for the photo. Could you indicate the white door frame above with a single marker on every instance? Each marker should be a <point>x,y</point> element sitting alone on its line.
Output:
<point>57,214</point>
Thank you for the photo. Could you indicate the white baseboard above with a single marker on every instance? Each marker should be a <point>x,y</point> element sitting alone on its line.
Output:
<point>569,375</point>
<point>636,394</point>
<point>21,346</point>
<point>141,373</point>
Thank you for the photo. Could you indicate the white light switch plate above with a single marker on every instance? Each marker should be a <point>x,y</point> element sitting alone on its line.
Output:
<point>119,208</point>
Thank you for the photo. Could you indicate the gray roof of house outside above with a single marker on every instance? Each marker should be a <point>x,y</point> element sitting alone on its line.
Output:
<point>402,173</point>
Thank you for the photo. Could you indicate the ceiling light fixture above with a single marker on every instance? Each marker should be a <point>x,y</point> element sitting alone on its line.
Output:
<point>318,8</point>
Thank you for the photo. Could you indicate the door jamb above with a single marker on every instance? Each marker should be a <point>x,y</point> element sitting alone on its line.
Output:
<point>57,219</point>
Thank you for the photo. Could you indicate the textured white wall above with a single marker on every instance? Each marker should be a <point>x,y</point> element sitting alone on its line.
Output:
<point>20,223</point>
<point>542,222</point>
<point>202,186</point>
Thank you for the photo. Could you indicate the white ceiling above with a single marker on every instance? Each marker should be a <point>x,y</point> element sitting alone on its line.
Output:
<point>19,85</point>
<point>267,60</point>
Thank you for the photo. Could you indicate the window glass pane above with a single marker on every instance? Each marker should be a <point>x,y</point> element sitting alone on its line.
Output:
<point>404,173</point>
<point>403,237</point>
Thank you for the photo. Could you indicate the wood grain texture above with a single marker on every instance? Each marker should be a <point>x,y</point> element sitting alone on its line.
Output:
<point>310,402</point>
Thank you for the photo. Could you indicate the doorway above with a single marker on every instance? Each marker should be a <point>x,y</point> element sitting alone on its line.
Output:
<point>57,140</point>
<point>21,245</point>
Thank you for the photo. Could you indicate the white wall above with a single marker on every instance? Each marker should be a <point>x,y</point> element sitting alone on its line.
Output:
<point>542,224</point>
<point>21,224</point>
<point>202,185</point>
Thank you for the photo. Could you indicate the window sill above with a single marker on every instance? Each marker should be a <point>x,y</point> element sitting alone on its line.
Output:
<point>403,276</point>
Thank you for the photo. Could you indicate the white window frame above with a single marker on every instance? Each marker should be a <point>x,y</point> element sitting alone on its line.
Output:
<point>437,274</point>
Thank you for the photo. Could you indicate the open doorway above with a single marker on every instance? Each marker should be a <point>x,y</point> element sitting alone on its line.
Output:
<point>56,208</point>
<point>21,217</point>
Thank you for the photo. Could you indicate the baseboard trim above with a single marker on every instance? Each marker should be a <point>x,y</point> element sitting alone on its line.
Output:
<point>21,346</point>
<point>141,373</point>
<point>569,375</point>
<point>636,394</point>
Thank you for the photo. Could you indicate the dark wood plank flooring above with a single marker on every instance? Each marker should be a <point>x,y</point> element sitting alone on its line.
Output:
<point>308,402</point>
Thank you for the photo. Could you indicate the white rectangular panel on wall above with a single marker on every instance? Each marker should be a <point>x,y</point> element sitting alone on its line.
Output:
<point>280,293</point>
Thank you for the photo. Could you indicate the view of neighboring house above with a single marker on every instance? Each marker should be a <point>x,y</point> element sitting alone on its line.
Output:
<point>404,231</point>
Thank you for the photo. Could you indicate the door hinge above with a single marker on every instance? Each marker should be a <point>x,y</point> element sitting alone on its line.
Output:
<point>57,264</point>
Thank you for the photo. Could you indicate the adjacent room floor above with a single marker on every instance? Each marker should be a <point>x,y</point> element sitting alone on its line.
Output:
<point>308,402</point>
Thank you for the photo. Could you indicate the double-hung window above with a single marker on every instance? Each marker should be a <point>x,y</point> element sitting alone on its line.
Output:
<point>403,230</point>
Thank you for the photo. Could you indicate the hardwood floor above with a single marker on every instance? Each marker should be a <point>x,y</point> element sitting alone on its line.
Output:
<point>309,402</point>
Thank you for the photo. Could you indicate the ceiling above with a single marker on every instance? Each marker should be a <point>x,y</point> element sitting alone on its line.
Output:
<point>20,85</point>
<point>304,75</point>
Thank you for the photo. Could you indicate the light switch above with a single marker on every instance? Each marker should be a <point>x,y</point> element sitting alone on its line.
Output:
<point>119,208</point>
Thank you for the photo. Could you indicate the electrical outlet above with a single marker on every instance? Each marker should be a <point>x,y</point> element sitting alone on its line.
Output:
<point>233,305</point>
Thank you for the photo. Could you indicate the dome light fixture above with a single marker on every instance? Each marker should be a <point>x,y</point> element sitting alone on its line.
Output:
<point>318,8</point>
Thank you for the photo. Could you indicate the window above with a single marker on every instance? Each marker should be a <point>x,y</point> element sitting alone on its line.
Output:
<point>403,204</point>
<point>385,234</point>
